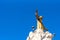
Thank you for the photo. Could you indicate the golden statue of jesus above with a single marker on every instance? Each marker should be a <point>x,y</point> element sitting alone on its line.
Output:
<point>39,22</point>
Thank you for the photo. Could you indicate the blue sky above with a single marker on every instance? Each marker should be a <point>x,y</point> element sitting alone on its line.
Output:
<point>18,16</point>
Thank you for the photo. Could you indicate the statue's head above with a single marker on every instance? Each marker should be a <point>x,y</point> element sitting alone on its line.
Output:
<point>41,17</point>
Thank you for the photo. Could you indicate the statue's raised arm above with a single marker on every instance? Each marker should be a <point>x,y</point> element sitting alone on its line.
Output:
<point>36,14</point>
<point>39,18</point>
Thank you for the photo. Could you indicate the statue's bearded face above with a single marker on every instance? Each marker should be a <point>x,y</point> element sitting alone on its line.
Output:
<point>40,17</point>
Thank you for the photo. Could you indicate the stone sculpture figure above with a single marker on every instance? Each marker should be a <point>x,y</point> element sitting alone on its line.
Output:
<point>39,22</point>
